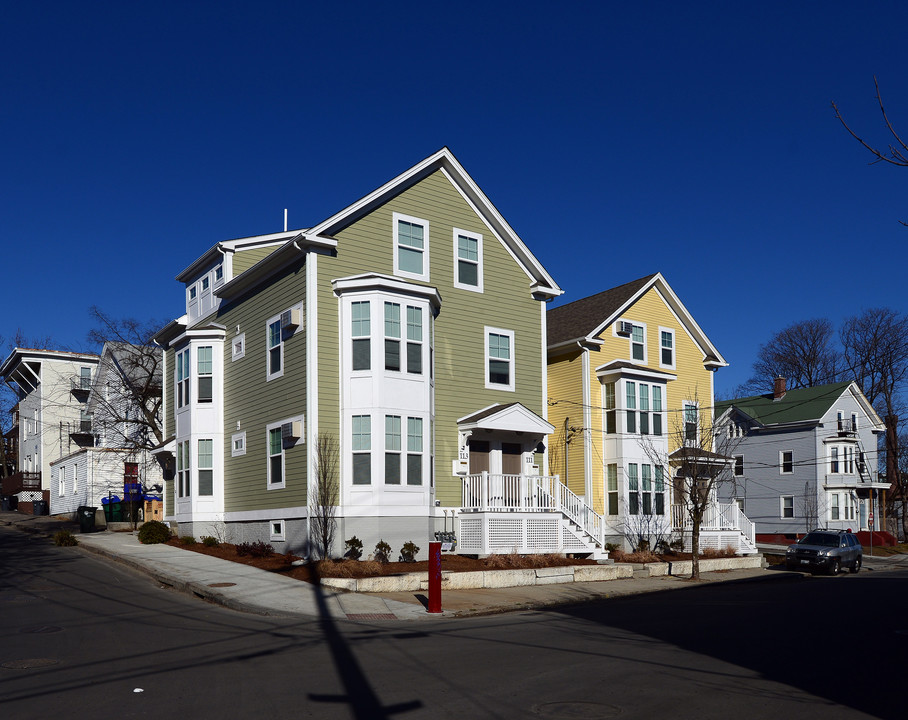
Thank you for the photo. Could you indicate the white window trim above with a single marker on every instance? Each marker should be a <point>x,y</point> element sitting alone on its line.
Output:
<point>425,225</point>
<point>269,376</point>
<point>684,405</point>
<point>277,530</point>
<point>61,477</point>
<point>512,375</point>
<point>479,269</point>
<point>233,438</point>
<point>782,515</point>
<point>671,331</point>
<point>782,462</point>
<point>283,483</point>
<point>241,353</point>
<point>284,448</point>
<point>630,340</point>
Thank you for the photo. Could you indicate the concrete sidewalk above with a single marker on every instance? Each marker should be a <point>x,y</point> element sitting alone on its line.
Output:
<point>248,589</point>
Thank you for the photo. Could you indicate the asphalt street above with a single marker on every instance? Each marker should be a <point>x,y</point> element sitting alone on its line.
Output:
<point>86,638</point>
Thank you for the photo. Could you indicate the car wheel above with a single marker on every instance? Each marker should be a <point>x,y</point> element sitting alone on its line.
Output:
<point>836,567</point>
<point>857,565</point>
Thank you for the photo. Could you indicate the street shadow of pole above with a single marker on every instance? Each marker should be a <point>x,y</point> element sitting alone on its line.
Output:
<point>359,696</point>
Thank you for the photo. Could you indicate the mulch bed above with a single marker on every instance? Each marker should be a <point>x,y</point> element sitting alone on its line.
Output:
<point>282,564</point>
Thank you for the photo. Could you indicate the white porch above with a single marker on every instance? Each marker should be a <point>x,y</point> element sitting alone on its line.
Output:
<point>724,525</point>
<point>526,514</point>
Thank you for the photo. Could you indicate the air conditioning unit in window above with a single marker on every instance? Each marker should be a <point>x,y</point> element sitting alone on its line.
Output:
<point>625,328</point>
<point>291,431</point>
<point>290,318</point>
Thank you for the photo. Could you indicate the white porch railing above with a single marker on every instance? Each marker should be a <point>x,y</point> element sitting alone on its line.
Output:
<point>718,517</point>
<point>485,492</point>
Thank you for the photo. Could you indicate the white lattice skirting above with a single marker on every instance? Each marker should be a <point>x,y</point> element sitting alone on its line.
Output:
<point>482,534</point>
<point>30,496</point>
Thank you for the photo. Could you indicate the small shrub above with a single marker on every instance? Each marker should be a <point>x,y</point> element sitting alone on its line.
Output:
<point>153,532</point>
<point>209,541</point>
<point>382,552</point>
<point>258,549</point>
<point>187,540</point>
<point>409,552</point>
<point>677,545</point>
<point>354,548</point>
<point>64,538</point>
<point>642,546</point>
<point>611,547</point>
<point>663,547</point>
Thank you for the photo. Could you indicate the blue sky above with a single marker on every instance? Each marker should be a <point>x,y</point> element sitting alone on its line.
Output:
<point>618,139</point>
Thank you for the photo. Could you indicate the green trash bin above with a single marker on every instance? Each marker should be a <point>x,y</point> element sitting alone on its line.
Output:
<point>86,518</point>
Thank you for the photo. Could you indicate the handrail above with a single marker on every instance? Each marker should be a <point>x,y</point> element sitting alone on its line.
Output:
<point>484,492</point>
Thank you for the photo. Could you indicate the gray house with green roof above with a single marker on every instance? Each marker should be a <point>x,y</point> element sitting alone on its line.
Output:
<point>804,459</point>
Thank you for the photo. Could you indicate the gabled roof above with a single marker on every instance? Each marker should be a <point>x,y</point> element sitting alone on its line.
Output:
<point>321,235</point>
<point>583,320</point>
<point>578,320</point>
<point>512,417</point>
<point>804,405</point>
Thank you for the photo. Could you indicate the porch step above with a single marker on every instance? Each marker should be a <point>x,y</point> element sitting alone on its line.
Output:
<point>640,570</point>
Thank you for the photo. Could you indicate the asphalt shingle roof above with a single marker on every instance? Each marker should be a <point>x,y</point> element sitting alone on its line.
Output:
<point>579,318</point>
<point>802,405</point>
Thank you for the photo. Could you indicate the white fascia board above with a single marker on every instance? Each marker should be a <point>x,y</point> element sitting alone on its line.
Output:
<point>377,281</point>
<point>265,268</point>
<point>445,160</point>
<point>233,246</point>
<point>515,418</point>
<point>641,371</point>
<point>677,307</point>
<point>861,399</point>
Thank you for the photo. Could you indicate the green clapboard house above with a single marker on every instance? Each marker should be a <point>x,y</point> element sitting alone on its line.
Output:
<point>408,331</point>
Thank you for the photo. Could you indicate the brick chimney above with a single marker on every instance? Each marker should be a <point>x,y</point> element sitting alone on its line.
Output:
<point>778,388</point>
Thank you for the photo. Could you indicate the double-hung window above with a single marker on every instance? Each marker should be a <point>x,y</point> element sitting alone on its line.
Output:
<point>659,488</point>
<point>411,247</point>
<point>644,409</point>
<point>610,420</point>
<point>834,459</point>
<point>787,506</point>
<point>631,400</point>
<point>275,349</point>
<point>611,472</point>
<point>666,348</point>
<point>360,330</point>
<point>182,359</point>
<point>392,449</point>
<point>848,460</point>
<point>205,463</point>
<point>275,457</point>
<point>362,449</point>
<point>638,343</point>
<point>468,260</point>
<point>499,359</point>
<point>657,410</point>
<point>414,451</point>
<point>646,482</point>
<point>183,467</point>
<point>633,489</point>
<point>204,364</point>
<point>691,422</point>
<point>786,462</point>
<point>414,340</point>
<point>739,465</point>
<point>835,512</point>
<point>392,336</point>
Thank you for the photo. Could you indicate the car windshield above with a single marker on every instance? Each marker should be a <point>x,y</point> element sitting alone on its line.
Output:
<point>823,539</point>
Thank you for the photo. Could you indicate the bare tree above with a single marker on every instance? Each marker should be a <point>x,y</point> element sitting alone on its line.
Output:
<point>876,351</point>
<point>324,495</point>
<point>127,393</point>
<point>804,353</point>
<point>809,509</point>
<point>895,152</point>
<point>699,465</point>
